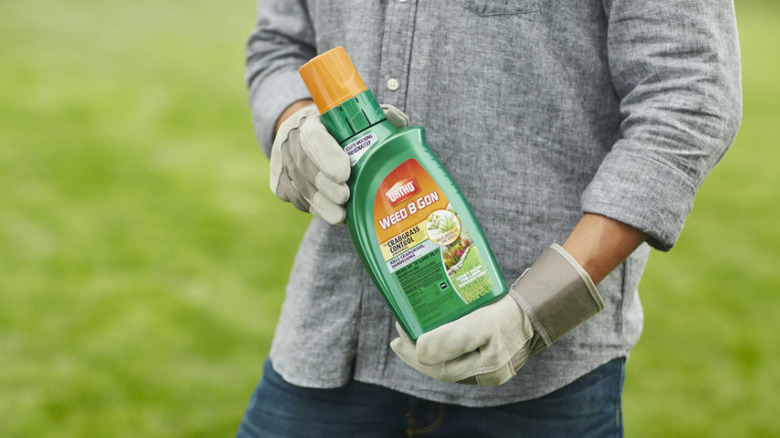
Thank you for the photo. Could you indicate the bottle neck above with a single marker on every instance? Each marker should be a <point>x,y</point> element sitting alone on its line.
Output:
<point>353,116</point>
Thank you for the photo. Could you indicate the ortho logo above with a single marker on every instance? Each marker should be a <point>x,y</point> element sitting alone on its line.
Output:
<point>402,190</point>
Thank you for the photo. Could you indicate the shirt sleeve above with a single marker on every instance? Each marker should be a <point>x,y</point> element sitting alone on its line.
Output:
<point>282,41</point>
<point>675,68</point>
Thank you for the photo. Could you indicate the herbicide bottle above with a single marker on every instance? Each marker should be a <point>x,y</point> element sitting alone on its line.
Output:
<point>411,226</point>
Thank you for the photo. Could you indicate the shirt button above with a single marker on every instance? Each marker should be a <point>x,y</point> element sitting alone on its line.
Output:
<point>393,84</point>
<point>402,1</point>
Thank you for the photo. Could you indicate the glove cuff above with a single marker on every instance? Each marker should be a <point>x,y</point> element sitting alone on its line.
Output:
<point>557,295</point>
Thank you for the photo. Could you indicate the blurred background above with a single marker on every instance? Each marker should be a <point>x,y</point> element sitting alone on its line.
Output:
<point>143,258</point>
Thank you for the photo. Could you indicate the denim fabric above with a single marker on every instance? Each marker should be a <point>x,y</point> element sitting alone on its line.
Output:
<point>588,407</point>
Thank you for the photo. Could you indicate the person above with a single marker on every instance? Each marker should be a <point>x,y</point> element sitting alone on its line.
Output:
<point>579,132</point>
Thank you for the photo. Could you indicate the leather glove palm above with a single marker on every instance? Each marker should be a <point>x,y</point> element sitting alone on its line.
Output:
<point>489,345</point>
<point>485,346</point>
<point>310,169</point>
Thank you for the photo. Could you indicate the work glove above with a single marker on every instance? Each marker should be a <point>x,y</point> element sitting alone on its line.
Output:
<point>308,167</point>
<point>490,344</point>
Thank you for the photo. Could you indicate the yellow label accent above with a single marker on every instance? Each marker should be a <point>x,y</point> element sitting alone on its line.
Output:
<point>401,242</point>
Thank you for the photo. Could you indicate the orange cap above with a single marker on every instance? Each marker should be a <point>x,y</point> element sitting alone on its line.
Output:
<point>331,79</point>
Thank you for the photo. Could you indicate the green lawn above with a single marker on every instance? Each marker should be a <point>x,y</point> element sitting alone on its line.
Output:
<point>707,363</point>
<point>141,269</point>
<point>143,259</point>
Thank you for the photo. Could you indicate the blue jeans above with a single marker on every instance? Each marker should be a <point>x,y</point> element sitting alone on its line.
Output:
<point>588,407</point>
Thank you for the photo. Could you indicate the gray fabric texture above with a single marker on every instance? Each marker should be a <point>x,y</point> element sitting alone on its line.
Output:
<point>540,111</point>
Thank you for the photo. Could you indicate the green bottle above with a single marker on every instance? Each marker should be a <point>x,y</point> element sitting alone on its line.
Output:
<point>409,222</point>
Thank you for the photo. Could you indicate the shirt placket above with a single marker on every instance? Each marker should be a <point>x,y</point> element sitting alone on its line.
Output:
<point>376,322</point>
<point>396,58</point>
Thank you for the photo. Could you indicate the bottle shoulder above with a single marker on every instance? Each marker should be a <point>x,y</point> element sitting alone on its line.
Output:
<point>394,147</point>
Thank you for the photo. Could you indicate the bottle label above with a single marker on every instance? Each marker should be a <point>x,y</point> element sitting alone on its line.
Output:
<point>357,148</point>
<point>426,247</point>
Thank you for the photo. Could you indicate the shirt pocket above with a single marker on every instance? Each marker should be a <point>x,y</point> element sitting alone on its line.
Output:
<point>486,8</point>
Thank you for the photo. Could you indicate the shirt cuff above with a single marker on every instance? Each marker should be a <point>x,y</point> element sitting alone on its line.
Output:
<point>644,193</point>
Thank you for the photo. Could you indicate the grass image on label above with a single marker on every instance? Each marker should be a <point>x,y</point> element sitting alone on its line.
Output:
<point>443,226</point>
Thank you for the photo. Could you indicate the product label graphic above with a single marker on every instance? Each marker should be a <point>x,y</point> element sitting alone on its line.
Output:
<point>357,148</point>
<point>402,190</point>
<point>425,246</point>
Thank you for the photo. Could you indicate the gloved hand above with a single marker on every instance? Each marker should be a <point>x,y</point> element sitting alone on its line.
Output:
<point>489,345</point>
<point>310,169</point>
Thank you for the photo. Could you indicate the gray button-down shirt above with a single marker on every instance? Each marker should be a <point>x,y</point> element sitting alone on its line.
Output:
<point>540,110</point>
